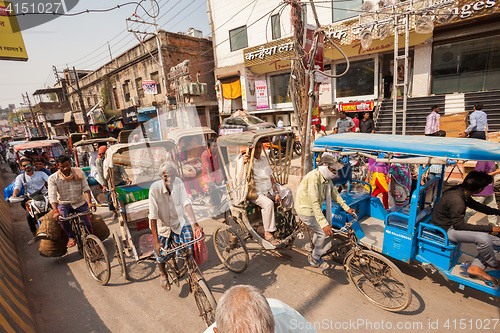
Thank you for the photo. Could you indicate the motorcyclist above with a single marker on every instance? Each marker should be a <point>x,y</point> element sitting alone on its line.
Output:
<point>33,182</point>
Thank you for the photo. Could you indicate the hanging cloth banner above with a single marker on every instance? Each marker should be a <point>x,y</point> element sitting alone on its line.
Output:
<point>231,90</point>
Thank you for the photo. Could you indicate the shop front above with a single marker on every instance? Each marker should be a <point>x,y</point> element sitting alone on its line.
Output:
<point>265,81</point>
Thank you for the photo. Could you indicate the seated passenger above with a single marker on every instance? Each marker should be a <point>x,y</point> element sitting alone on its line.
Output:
<point>400,185</point>
<point>449,214</point>
<point>268,192</point>
<point>311,194</point>
<point>377,177</point>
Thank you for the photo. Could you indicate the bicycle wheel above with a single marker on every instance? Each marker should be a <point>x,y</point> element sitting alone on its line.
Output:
<point>378,279</point>
<point>120,255</point>
<point>96,257</point>
<point>205,301</point>
<point>297,148</point>
<point>231,249</point>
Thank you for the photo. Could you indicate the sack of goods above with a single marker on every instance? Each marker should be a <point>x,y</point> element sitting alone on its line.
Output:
<point>99,227</point>
<point>54,240</point>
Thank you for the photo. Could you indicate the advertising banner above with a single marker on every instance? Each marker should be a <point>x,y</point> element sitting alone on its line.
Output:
<point>261,94</point>
<point>11,40</point>
<point>149,87</point>
<point>357,107</point>
<point>129,115</point>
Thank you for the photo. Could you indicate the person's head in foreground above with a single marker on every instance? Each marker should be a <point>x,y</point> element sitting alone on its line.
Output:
<point>242,309</point>
<point>476,181</point>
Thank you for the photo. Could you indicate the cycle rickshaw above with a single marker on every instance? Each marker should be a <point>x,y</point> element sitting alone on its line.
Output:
<point>406,234</point>
<point>142,162</point>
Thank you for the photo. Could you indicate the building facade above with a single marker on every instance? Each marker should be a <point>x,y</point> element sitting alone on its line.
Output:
<point>453,51</point>
<point>130,89</point>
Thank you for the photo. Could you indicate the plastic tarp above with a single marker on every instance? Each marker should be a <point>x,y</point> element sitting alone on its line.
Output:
<point>249,138</point>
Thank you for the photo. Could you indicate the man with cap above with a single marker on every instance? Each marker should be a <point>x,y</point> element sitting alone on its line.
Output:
<point>311,194</point>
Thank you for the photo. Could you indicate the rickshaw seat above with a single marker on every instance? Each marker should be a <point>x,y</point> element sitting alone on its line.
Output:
<point>134,199</point>
<point>435,246</point>
<point>138,210</point>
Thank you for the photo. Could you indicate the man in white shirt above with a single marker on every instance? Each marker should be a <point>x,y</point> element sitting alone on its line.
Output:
<point>268,192</point>
<point>243,308</point>
<point>12,158</point>
<point>166,219</point>
<point>32,181</point>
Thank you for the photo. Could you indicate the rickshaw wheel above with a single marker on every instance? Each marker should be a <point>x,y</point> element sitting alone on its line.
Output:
<point>205,301</point>
<point>96,257</point>
<point>378,279</point>
<point>120,254</point>
<point>231,249</point>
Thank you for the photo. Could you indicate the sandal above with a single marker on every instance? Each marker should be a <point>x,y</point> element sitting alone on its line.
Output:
<point>273,241</point>
<point>71,243</point>
<point>164,283</point>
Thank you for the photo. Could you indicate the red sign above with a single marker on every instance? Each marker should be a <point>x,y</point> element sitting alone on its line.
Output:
<point>357,107</point>
<point>308,43</point>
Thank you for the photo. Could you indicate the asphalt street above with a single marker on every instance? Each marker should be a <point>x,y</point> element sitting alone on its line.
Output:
<point>64,297</point>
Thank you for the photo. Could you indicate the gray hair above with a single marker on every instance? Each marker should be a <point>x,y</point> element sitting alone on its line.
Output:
<point>243,308</point>
<point>169,168</point>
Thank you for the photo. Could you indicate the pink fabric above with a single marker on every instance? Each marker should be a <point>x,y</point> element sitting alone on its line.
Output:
<point>200,249</point>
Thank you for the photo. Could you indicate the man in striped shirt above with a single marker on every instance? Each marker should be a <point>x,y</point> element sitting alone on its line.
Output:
<point>478,124</point>
<point>432,123</point>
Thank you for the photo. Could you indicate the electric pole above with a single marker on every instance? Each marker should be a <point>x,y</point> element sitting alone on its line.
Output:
<point>63,84</point>
<point>36,124</point>
<point>82,106</point>
<point>298,76</point>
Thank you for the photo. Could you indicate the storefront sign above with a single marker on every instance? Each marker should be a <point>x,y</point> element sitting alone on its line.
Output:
<point>227,106</point>
<point>275,50</point>
<point>149,87</point>
<point>356,107</point>
<point>11,40</point>
<point>129,115</point>
<point>78,118</point>
<point>261,93</point>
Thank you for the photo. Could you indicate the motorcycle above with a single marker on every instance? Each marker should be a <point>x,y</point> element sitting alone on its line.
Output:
<point>37,204</point>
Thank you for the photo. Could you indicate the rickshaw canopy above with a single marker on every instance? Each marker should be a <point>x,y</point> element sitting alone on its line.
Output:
<point>450,148</point>
<point>181,133</point>
<point>36,144</point>
<point>249,138</point>
<point>92,141</point>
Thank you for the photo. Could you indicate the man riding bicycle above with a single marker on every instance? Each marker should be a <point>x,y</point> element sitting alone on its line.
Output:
<point>165,219</point>
<point>69,193</point>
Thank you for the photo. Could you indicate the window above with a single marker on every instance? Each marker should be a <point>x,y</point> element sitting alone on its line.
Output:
<point>238,38</point>
<point>342,10</point>
<point>470,65</point>
<point>304,14</point>
<point>254,120</point>
<point>138,85</point>
<point>155,77</point>
<point>279,88</point>
<point>88,102</point>
<point>275,26</point>
<point>126,91</point>
<point>359,81</point>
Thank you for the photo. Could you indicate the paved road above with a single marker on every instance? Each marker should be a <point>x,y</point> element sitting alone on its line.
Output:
<point>64,297</point>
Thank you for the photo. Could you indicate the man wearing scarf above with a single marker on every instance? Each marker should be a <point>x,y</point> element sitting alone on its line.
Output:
<point>311,194</point>
<point>69,193</point>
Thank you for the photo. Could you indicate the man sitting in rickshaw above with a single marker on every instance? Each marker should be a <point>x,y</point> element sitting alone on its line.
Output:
<point>311,194</point>
<point>449,214</point>
<point>268,192</point>
<point>166,221</point>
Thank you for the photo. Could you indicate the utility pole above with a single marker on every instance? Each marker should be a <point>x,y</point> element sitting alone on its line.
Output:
<point>160,60</point>
<point>63,84</point>
<point>36,124</point>
<point>298,75</point>
<point>82,106</point>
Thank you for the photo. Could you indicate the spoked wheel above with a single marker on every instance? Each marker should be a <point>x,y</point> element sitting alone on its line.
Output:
<point>379,280</point>
<point>205,301</point>
<point>297,148</point>
<point>231,249</point>
<point>96,257</point>
<point>120,255</point>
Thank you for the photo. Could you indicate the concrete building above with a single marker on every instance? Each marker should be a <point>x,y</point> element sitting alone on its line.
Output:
<point>117,88</point>
<point>459,56</point>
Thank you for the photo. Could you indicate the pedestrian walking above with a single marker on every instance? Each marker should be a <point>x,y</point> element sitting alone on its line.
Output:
<point>478,124</point>
<point>366,125</point>
<point>344,124</point>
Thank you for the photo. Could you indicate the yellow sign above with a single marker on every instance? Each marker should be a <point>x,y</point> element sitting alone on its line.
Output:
<point>355,49</point>
<point>11,43</point>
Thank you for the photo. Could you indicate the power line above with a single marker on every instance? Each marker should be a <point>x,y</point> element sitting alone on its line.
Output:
<point>203,3</point>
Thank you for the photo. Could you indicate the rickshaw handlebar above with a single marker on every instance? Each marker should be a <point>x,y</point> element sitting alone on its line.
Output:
<point>175,249</point>
<point>72,216</point>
